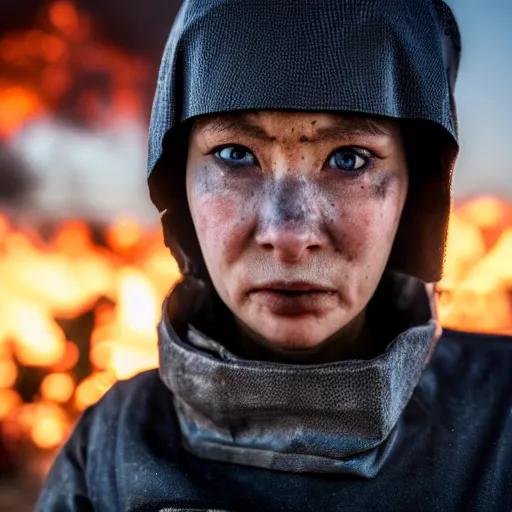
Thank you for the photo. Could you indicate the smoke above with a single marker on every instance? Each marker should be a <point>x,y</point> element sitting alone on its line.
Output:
<point>16,181</point>
<point>95,174</point>
<point>139,27</point>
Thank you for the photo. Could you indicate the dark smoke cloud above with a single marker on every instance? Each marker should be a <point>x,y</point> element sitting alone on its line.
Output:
<point>16,182</point>
<point>138,26</point>
<point>135,25</point>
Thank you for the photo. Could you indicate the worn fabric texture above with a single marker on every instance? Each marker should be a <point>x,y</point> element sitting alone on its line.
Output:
<point>451,450</point>
<point>335,417</point>
<point>394,58</point>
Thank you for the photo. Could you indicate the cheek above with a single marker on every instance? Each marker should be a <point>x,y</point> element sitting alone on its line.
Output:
<point>216,221</point>
<point>366,218</point>
<point>222,221</point>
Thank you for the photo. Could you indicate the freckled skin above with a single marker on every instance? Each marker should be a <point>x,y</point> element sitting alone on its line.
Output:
<point>291,217</point>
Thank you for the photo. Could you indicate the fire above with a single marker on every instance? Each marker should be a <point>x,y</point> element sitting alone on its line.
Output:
<point>46,283</point>
<point>476,291</point>
<point>57,387</point>
<point>64,16</point>
<point>10,400</point>
<point>16,106</point>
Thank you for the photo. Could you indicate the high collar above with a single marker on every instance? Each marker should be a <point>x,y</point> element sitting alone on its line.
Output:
<point>333,417</point>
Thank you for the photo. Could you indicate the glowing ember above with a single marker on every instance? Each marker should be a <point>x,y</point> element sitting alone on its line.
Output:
<point>124,236</point>
<point>16,106</point>
<point>57,387</point>
<point>46,423</point>
<point>69,359</point>
<point>37,340</point>
<point>92,388</point>
<point>65,17</point>
<point>10,400</point>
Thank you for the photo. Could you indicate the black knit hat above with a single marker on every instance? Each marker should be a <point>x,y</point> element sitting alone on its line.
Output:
<point>393,58</point>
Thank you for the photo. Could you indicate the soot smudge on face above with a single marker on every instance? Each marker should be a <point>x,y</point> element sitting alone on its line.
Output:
<point>206,182</point>
<point>382,186</point>
<point>288,204</point>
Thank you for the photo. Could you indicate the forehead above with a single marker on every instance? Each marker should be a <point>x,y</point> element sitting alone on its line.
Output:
<point>274,122</point>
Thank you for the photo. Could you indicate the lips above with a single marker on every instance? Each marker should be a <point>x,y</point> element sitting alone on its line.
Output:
<point>294,286</point>
<point>294,298</point>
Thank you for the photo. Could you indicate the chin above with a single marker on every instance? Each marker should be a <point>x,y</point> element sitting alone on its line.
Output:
<point>292,333</point>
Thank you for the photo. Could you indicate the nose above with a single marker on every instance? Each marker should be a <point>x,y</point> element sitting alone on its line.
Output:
<point>291,223</point>
<point>290,244</point>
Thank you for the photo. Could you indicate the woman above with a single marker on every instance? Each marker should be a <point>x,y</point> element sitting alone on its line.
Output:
<point>302,154</point>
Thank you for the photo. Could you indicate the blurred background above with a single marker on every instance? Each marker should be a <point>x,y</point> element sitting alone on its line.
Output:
<point>83,269</point>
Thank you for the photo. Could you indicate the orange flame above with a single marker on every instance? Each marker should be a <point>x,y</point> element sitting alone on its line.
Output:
<point>477,285</point>
<point>63,278</point>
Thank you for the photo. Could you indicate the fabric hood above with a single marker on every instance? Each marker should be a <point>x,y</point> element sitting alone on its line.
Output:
<point>393,58</point>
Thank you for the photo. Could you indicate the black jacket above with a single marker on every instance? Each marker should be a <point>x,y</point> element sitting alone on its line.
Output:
<point>450,450</point>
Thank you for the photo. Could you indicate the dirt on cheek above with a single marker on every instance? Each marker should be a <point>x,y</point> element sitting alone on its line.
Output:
<point>223,227</point>
<point>355,227</point>
<point>381,188</point>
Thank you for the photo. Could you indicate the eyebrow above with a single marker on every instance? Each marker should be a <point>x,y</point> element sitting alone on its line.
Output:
<point>220,125</point>
<point>345,129</point>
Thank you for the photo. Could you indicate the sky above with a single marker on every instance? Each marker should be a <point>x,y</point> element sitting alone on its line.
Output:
<point>484,97</point>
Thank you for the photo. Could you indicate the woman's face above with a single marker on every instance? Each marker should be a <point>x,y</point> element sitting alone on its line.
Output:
<point>296,214</point>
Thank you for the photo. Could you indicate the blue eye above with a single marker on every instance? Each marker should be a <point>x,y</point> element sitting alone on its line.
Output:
<point>235,155</point>
<point>347,160</point>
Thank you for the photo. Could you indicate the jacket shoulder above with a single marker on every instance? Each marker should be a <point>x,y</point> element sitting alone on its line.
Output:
<point>456,343</point>
<point>476,369</point>
<point>87,472</point>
